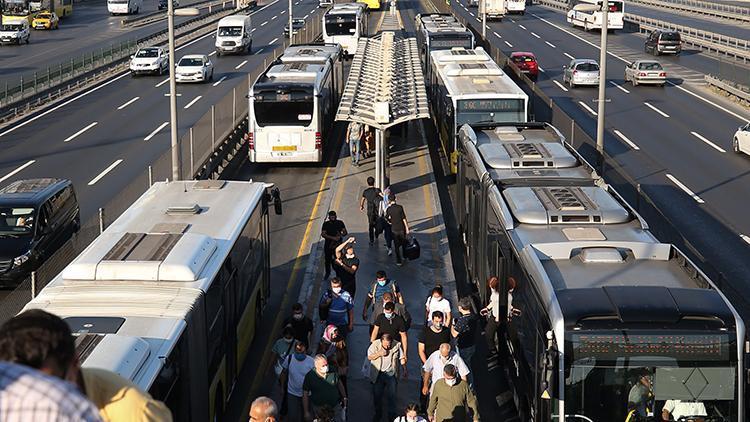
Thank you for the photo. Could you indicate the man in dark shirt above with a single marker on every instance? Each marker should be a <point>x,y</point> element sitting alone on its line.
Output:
<point>429,341</point>
<point>333,231</point>
<point>464,330</point>
<point>347,265</point>
<point>301,325</point>
<point>369,204</point>
<point>399,226</point>
<point>391,323</point>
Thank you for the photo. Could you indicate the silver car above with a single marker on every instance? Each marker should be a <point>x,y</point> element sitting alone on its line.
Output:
<point>581,72</point>
<point>645,72</point>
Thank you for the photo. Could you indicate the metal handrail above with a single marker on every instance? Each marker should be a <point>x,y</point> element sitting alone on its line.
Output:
<point>721,10</point>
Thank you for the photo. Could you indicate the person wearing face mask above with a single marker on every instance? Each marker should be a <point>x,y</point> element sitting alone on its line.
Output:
<point>301,324</point>
<point>374,299</point>
<point>282,348</point>
<point>452,398</point>
<point>334,347</point>
<point>347,265</point>
<point>411,414</point>
<point>437,302</point>
<point>296,367</point>
<point>339,306</point>
<point>333,231</point>
<point>492,313</point>
<point>263,409</point>
<point>386,357</point>
<point>323,389</point>
<point>392,324</point>
<point>433,368</point>
<point>430,340</point>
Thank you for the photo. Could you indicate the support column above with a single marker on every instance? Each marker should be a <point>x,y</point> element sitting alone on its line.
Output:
<point>380,159</point>
<point>386,159</point>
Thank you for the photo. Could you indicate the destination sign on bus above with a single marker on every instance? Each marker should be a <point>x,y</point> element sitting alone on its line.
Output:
<point>450,43</point>
<point>490,105</point>
<point>699,347</point>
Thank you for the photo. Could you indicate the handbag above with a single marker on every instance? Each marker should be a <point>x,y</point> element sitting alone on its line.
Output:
<point>284,381</point>
<point>278,367</point>
<point>412,249</point>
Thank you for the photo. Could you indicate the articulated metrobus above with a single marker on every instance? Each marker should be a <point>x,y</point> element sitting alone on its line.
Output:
<point>602,322</point>
<point>15,11</point>
<point>440,31</point>
<point>593,19</point>
<point>170,296</point>
<point>466,86</point>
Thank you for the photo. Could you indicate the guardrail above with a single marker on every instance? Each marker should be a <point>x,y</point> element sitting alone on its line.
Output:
<point>212,146</point>
<point>721,10</point>
<point>40,88</point>
<point>149,18</point>
<point>741,93</point>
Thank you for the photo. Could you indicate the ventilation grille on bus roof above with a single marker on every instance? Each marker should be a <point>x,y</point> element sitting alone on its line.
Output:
<point>142,247</point>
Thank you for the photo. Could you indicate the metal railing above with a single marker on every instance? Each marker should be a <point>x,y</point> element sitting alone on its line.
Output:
<point>156,16</point>
<point>721,10</point>
<point>208,149</point>
<point>739,92</point>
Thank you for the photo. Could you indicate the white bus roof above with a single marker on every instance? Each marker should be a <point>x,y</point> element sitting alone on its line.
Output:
<point>473,74</point>
<point>346,8</point>
<point>296,72</point>
<point>311,53</point>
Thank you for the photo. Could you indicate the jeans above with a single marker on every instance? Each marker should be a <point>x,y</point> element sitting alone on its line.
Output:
<point>372,221</point>
<point>354,150</point>
<point>400,241</point>
<point>467,353</point>
<point>384,386</point>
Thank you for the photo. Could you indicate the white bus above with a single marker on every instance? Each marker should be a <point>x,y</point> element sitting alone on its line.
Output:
<point>593,20</point>
<point>468,87</point>
<point>439,31</point>
<point>515,6</point>
<point>345,24</point>
<point>171,294</point>
<point>292,105</point>
<point>124,7</point>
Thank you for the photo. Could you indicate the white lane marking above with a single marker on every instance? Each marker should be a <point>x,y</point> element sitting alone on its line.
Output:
<point>513,21</point>
<point>472,15</point>
<point>569,56</point>
<point>521,26</point>
<point>560,86</point>
<point>577,36</point>
<point>586,106</point>
<point>223,78</point>
<point>730,112</point>
<point>104,173</point>
<point>176,95</point>
<point>550,44</point>
<point>535,35</point>
<point>305,17</point>
<point>656,109</point>
<point>627,141</point>
<point>496,34</point>
<point>283,11</point>
<point>264,23</point>
<point>487,26</point>
<point>129,102</point>
<point>161,83</point>
<point>711,144</point>
<point>274,17</point>
<point>195,100</point>
<point>244,62</point>
<point>509,44</point>
<point>679,184</point>
<point>618,86</point>
<point>274,40</point>
<point>745,238</point>
<point>211,53</point>
<point>21,167</point>
<point>75,135</point>
<point>258,52</point>
<point>540,68</point>
<point>152,134</point>
<point>253,30</point>
<point>124,74</point>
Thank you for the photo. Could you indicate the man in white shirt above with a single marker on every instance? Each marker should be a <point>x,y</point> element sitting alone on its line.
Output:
<point>679,408</point>
<point>433,367</point>
<point>297,365</point>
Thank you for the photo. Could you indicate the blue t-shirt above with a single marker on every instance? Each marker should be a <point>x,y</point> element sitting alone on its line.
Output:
<point>389,286</point>
<point>338,312</point>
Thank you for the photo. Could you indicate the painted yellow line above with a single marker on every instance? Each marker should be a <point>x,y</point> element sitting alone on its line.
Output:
<point>303,247</point>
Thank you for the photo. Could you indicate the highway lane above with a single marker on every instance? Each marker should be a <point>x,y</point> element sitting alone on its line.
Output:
<point>120,134</point>
<point>734,29</point>
<point>88,30</point>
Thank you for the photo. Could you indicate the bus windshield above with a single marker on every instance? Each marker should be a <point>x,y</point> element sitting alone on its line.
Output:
<point>637,374</point>
<point>15,7</point>
<point>341,25</point>
<point>490,111</point>
<point>283,108</point>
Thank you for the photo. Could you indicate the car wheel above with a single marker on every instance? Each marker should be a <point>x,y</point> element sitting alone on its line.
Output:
<point>736,145</point>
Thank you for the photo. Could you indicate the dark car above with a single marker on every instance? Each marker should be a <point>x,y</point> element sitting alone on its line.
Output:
<point>663,42</point>
<point>163,4</point>
<point>526,63</point>
<point>297,25</point>
<point>37,216</point>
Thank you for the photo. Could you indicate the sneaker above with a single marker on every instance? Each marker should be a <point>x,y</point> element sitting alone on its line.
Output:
<point>390,251</point>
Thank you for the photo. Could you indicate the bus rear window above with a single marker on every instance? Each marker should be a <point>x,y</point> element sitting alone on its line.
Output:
<point>279,108</point>
<point>341,25</point>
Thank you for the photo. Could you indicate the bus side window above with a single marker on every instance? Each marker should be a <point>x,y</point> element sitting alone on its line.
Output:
<point>169,386</point>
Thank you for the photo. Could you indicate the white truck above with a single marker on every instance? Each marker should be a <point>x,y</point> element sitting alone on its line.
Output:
<point>496,9</point>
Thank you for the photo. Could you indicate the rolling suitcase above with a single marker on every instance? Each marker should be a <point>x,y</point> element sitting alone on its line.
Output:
<point>411,249</point>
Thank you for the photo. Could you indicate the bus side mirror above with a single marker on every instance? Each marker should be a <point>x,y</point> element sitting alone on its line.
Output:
<point>276,197</point>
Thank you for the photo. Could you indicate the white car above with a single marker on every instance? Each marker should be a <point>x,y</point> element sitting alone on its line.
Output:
<point>645,72</point>
<point>741,140</point>
<point>194,68</point>
<point>150,60</point>
<point>581,72</point>
<point>15,33</point>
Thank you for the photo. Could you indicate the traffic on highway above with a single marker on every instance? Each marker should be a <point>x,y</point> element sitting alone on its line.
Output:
<point>193,193</point>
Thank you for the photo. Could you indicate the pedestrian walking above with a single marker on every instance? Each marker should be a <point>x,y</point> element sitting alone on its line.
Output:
<point>464,330</point>
<point>392,324</point>
<point>369,204</point>
<point>334,347</point>
<point>383,220</point>
<point>411,414</point>
<point>396,216</point>
<point>369,143</point>
<point>492,313</point>
<point>336,307</point>
<point>386,356</point>
<point>451,399</point>
<point>378,288</point>
<point>322,389</point>
<point>400,309</point>
<point>297,365</point>
<point>354,134</point>
<point>437,302</point>
<point>433,367</point>
<point>281,349</point>
<point>301,324</point>
<point>333,231</point>
<point>347,265</point>
<point>429,341</point>
<point>263,409</point>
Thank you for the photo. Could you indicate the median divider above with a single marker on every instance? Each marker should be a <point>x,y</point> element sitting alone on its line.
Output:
<point>159,15</point>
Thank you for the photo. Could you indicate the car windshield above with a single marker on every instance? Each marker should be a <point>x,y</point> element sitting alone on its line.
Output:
<point>230,31</point>
<point>521,59</point>
<point>148,52</point>
<point>16,221</point>
<point>44,16</point>
<point>649,66</point>
<point>11,28</point>
<point>587,67</point>
<point>189,61</point>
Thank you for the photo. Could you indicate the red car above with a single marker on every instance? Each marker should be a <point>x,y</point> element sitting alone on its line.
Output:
<point>526,62</point>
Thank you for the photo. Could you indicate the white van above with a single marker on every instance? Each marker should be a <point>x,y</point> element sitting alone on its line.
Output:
<point>234,35</point>
<point>124,7</point>
<point>496,9</point>
<point>344,24</point>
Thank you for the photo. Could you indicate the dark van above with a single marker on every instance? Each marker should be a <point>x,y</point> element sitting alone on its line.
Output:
<point>663,42</point>
<point>37,216</point>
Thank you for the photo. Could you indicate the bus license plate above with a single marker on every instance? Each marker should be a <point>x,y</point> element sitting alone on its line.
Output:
<point>285,148</point>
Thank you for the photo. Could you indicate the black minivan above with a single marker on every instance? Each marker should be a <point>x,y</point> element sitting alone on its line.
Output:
<point>663,42</point>
<point>37,216</point>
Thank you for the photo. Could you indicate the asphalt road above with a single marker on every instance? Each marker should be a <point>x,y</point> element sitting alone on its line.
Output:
<point>126,130</point>
<point>89,29</point>
<point>707,23</point>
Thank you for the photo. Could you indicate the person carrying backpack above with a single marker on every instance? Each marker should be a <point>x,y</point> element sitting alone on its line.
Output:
<point>374,297</point>
<point>369,203</point>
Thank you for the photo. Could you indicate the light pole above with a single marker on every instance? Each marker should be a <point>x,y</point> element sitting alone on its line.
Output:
<point>291,29</point>
<point>602,82</point>
<point>484,19</point>
<point>171,13</point>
